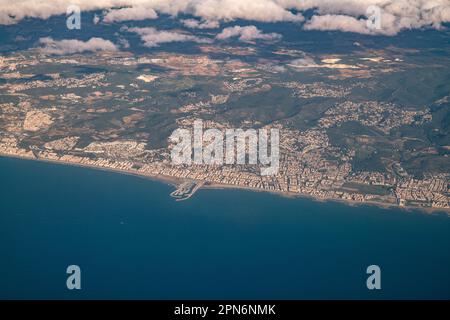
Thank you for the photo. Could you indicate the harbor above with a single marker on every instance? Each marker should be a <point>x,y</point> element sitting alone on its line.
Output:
<point>186,190</point>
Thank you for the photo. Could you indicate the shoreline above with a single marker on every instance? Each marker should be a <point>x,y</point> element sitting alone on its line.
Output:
<point>346,202</point>
<point>174,181</point>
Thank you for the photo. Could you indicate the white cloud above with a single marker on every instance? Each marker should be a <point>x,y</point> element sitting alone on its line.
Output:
<point>75,46</point>
<point>397,15</point>
<point>14,11</point>
<point>305,62</point>
<point>132,13</point>
<point>153,37</point>
<point>337,22</point>
<point>123,43</point>
<point>195,24</point>
<point>228,10</point>
<point>208,10</point>
<point>247,33</point>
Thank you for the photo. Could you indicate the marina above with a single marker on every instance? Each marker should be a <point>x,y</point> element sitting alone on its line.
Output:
<point>186,190</point>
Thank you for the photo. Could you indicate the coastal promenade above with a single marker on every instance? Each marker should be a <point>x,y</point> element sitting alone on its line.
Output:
<point>179,177</point>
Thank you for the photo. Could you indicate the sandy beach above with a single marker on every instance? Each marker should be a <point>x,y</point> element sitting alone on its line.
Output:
<point>174,181</point>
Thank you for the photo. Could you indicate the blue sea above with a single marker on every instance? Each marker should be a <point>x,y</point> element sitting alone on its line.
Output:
<point>131,240</point>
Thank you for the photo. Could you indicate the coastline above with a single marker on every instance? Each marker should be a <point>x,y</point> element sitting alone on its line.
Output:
<point>174,181</point>
<point>351,203</point>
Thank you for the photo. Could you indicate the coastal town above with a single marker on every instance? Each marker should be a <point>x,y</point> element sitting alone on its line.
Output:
<point>117,114</point>
<point>302,174</point>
